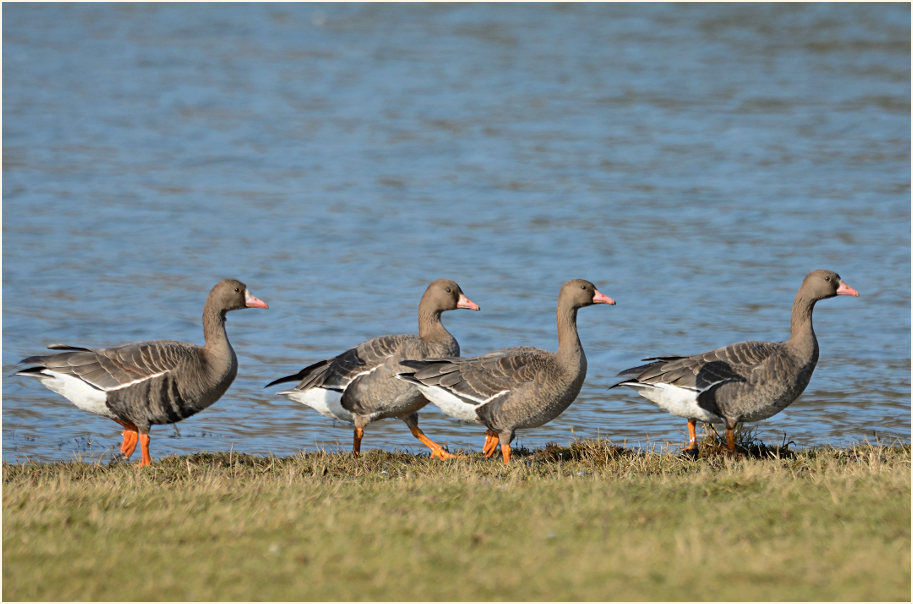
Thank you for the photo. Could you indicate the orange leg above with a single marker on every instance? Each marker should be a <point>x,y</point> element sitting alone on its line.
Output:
<point>144,448</point>
<point>691,450</point>
<point>437,451</point>
<point>491,443</point>
<point>130,438</point>
<point>505,451</point>
<point>730,439</point>
<point>692,434</point>
<point>356,441</point>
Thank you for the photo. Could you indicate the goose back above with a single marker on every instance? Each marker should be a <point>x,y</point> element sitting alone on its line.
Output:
<point>145,383</point>
<point>378,394</point>
<point>739,381</point>
<point>747,381</point>
<point>359,385</point>
<point>513,388</point>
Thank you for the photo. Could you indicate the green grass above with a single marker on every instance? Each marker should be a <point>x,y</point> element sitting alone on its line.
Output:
<point>586,522</point>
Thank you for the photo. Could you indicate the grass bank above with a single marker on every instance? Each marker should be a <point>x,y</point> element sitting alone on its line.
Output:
<point>586,522</point>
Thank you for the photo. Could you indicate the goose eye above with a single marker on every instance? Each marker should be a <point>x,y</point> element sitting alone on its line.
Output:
<point>449,291</point>
<point>827,278</point>
<point>237,290</point>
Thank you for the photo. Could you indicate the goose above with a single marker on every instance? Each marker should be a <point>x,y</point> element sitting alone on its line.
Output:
<point>145,383</point>
<point>513,388</point>
<point>359,386</point>
<point>743,382</point>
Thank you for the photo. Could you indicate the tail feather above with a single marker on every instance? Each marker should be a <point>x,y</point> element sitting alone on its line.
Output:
<point>68,347</point>
<point>31,371</point>
<point>289,378</point>
<point>297,377</point>
<point>637,371</point>
<point>624,383</point>
<point>41,358</point>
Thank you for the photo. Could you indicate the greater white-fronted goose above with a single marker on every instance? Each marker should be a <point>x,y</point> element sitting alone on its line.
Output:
<point>742,382</point>
<point>145,383</point>
<point>514,388</point>
<point>359,386</point>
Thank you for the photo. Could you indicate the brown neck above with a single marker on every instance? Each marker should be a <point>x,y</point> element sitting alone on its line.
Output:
<point>801,332</point>
<point>430,328</point>
<point>569,348</point>
<point>214,330</point>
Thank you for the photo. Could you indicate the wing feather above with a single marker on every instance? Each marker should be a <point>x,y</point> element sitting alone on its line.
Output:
<point>338,372</point>
<point>116,367</point>
<point>705,370</point>
<point>481,379</point>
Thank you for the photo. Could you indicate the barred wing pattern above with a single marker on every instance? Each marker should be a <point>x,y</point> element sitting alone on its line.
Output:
<point>108,369</point>
<point>479,380</point>
<point>338,372</point>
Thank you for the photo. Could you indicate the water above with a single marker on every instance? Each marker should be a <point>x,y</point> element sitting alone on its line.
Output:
<point>694,161</point>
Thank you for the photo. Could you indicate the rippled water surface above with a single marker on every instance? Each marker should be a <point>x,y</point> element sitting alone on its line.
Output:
<point>694,161</point>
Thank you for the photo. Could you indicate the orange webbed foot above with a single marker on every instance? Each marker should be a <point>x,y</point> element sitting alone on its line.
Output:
<point>144,449</point>
<point>440,453</point>
<point>491,443</point>
<point>505,452</point>
<point>130,437</point>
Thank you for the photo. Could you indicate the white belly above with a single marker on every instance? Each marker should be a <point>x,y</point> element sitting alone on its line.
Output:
<point>77,392</point>
<point>676,400</point>
<point>324,402</point>
<point>450,404</point>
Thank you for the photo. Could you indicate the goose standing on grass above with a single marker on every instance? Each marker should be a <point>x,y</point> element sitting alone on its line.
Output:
<point>359,386</point>
<point>145,383</point>
<point>514,388</point>
<point>742,382</point>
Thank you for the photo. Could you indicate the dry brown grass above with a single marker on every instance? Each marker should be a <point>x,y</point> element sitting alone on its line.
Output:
<point>590,521</point>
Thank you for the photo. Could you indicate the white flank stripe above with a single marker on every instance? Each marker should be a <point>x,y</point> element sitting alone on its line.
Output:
<point>136,381</point>
<point>494,396</point>
<point>358,375</point>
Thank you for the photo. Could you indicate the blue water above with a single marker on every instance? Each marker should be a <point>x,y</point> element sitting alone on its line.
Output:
<point>694,161</point>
